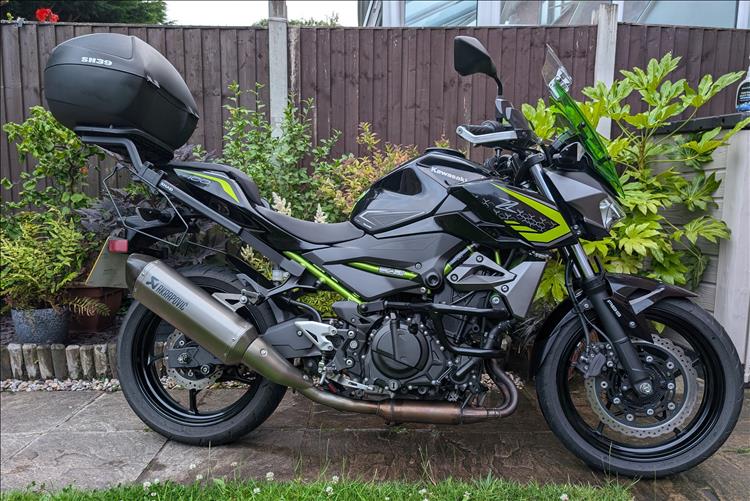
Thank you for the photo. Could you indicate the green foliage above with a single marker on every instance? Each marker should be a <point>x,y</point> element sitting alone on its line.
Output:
<point>60,163</point>
<point>212,488</point>
<point>328,21</point>
<point>341,183</point>
<point>86,11</point>
<point>40,260</point>
<point>659,171</point>
<point>275,162</point>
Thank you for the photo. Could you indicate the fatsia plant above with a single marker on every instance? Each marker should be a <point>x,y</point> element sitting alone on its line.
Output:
<point>659,171</point>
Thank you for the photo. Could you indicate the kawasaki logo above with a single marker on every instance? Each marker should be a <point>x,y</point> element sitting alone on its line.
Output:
<point>441,172</point>
<point>168,294</point>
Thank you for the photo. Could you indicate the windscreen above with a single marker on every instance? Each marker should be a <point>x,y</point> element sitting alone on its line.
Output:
<point>558,81</point>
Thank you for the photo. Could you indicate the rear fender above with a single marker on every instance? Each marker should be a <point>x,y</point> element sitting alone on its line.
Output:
<point>632,295</point>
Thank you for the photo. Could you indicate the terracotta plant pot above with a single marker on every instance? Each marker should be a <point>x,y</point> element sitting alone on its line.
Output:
<point>43,326</point>
<point>107,295</point>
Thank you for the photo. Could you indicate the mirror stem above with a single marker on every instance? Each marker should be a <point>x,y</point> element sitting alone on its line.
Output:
<point>499,85</point>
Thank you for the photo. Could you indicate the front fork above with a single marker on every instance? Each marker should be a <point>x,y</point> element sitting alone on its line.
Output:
<point>594,286</point>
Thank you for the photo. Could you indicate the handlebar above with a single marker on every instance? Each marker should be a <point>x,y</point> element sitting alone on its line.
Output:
<point>487,133</point>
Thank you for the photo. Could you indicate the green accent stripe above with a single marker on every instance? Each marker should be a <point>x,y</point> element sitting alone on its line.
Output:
<point>448,268</point>
<point>323,277</point>
<point>550,235</point>
<point>383,270</point>
<point>497,257</point>
<point>222,182</point>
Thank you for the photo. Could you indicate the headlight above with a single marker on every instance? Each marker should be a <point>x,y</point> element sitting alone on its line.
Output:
<point>611,212</point>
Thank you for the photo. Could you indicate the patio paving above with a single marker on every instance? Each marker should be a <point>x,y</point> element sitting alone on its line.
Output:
<point>93,439</point>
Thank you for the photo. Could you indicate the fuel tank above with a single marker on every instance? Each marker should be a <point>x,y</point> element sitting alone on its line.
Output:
<point>414,190</point>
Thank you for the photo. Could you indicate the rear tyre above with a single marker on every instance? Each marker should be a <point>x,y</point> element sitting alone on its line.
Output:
<point>616,436</point>
<point>179,409</point>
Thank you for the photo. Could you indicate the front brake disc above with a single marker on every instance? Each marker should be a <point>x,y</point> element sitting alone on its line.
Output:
<point>659,414</point>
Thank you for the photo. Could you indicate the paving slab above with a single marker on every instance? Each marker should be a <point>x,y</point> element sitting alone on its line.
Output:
<point>40,412</point>
<point>104,414</point>
<point>93,439</point>
<point>11,444</point>
<point>85,459</point>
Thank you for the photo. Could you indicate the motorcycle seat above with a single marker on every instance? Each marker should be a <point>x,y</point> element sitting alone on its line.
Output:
<point>316,233</point>
<point>246,183</point>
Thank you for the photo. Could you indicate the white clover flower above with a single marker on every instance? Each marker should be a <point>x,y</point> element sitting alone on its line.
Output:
<point>233,464</point>
<point>192,466</point>
<point>335,479</point>
<point>564,497</point>
<point>269,476</point>
<point>199,477</point>
<point>425,499</point>
<point>153,494</point>
<point>146,484</point>
<point>256,490</point>
<point>422,492</point>
<point>329,490</point>
<point>156,481</point>
<point>467,495</point>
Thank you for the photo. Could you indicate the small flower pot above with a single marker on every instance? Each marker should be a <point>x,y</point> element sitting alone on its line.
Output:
<point>109,296</point>
<point>43,326</point>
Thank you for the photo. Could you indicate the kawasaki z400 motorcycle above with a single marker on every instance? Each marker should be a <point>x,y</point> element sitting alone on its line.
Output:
<point>436,268</point>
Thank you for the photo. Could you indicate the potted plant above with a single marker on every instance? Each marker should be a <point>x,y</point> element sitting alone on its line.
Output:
<point>61,167</point>
<point>42,254</point>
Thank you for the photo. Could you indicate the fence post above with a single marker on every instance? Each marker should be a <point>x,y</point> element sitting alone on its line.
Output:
<point>606,48</point>
<point>732,306</point>
<point>277,62</point>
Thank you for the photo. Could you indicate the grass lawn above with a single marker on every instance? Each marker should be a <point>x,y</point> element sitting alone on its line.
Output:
<point>345,490</point>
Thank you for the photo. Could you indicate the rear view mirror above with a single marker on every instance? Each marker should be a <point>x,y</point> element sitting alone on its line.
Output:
<point>470,57</point>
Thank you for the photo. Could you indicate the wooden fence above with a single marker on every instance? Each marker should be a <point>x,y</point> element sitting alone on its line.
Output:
<point>399,79</point>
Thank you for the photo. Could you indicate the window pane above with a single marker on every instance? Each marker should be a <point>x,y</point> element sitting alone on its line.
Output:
<point>440,13</point>
<point>713,13</point>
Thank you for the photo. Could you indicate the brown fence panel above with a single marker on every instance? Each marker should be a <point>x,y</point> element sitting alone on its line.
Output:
<point>209,58</point>
<point>402,79</point>
<point>713,51</point>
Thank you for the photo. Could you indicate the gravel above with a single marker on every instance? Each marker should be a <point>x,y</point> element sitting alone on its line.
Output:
<point>16,385</point>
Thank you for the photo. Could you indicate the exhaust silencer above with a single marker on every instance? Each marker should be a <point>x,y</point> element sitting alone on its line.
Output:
<point>234,340</point>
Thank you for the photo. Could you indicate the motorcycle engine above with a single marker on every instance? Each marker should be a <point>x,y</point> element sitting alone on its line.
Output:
<point>399,356</point>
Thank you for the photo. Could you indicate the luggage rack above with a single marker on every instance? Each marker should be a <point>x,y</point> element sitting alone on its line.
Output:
<point>119,141</point>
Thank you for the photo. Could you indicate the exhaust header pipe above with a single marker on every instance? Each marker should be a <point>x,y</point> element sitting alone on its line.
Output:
<point>234,340</point>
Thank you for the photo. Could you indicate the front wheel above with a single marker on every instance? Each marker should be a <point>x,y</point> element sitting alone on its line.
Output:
<point>696,403</point>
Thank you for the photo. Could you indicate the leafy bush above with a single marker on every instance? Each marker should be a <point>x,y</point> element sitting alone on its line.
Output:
<point>275,162</point>
<point>341,183</point>
<point>44,257</point>
<point>60,161</point>
<point>659,171</point>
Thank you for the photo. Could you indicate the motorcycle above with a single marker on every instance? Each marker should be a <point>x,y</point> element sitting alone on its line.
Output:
<point>436,270</point>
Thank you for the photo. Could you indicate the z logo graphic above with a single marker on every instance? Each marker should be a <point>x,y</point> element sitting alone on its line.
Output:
<point>507,205</point>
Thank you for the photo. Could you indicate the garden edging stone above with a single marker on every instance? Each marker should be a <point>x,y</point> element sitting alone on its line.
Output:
<point>32,362</point>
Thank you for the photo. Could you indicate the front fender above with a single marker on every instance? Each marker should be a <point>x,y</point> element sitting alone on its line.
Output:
<point>637,293</point>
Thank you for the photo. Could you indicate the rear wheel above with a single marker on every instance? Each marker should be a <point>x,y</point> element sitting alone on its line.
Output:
<point>213,404</point>
<point>696,403</point>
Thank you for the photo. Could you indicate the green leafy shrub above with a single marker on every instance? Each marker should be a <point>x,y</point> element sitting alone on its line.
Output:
<point>341,183</point>
<point>659,171</point>
<point>41,260</point>
<point>275,162</point>
<point>61,160</point>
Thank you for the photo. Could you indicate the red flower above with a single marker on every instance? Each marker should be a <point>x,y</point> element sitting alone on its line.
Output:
<point>45,14</point>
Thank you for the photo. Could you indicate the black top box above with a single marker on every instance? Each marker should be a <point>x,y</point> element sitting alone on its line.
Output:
<point>121,82</point>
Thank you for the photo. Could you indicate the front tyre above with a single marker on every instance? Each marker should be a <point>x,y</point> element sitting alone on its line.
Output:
<point>186,405</point>
<point>699,395</point>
